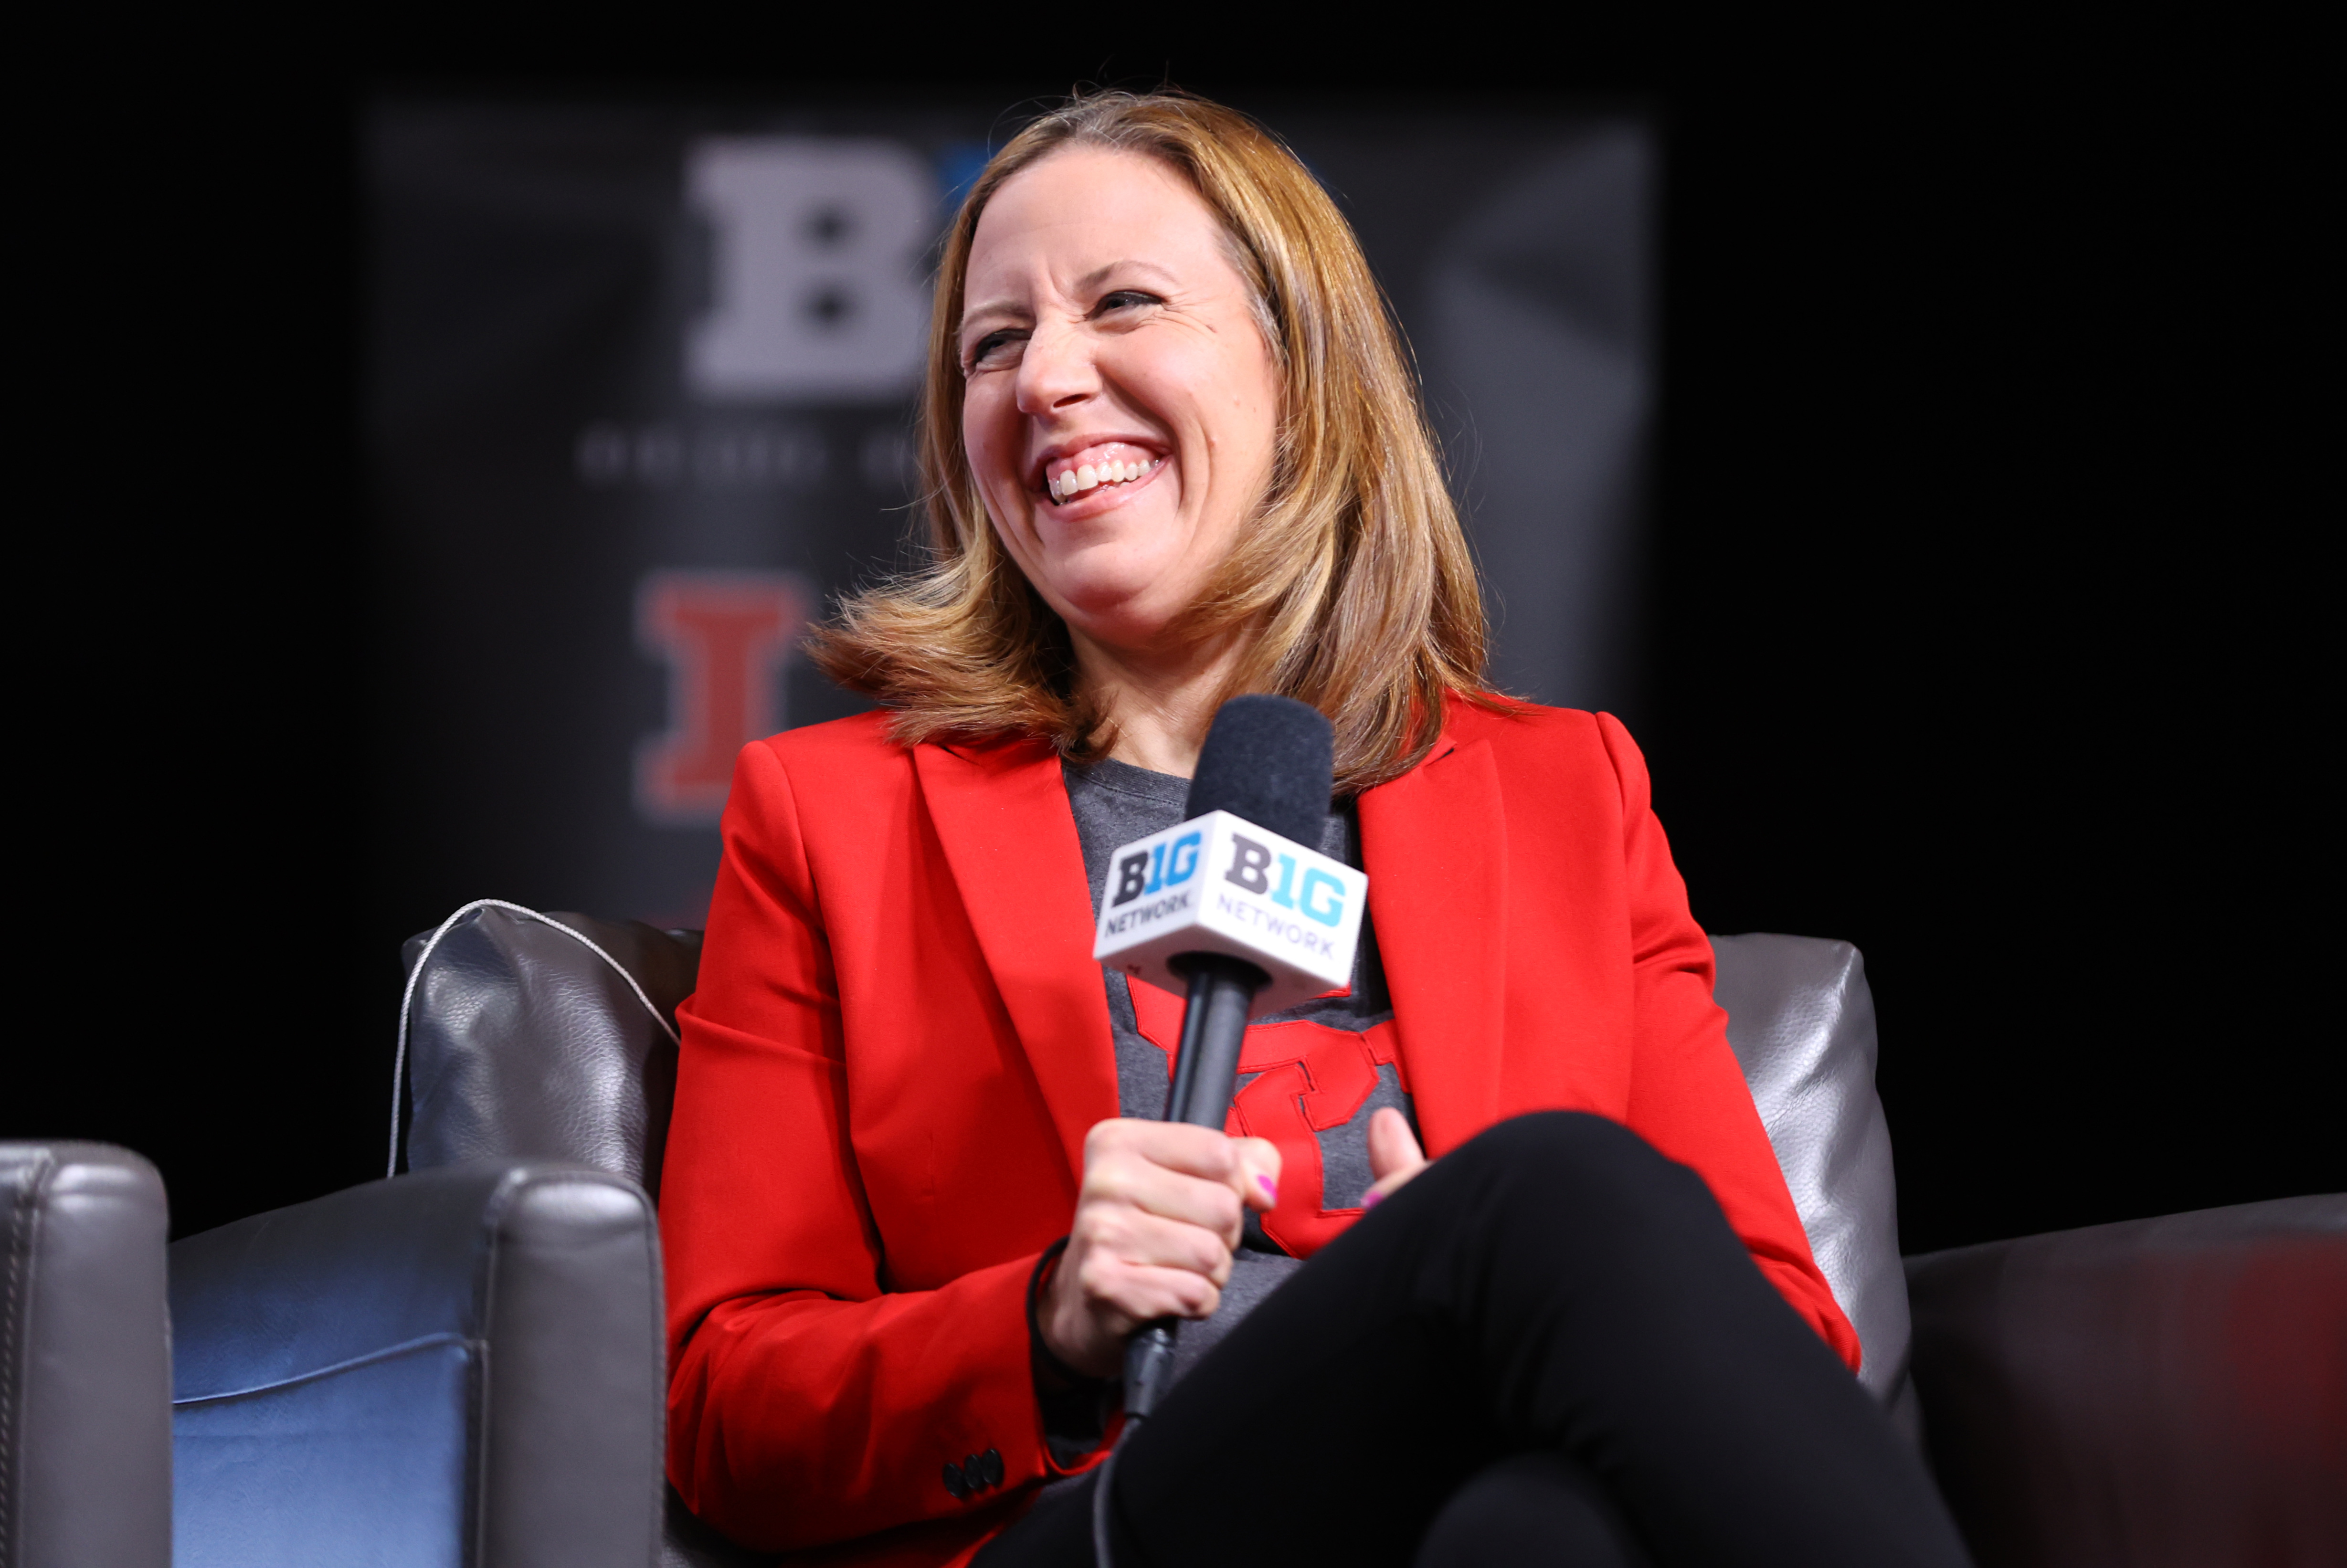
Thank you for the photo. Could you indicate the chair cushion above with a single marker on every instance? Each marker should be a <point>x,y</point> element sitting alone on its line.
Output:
<point>528,1044</point>
<point>1801,1022</point>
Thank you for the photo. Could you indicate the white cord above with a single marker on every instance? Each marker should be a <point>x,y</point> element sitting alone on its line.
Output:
<point>408,997</point>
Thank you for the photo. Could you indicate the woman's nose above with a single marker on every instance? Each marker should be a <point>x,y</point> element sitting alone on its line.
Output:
<point>1056,369</point>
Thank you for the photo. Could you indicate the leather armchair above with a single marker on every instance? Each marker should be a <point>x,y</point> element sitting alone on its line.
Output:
<point>2173,1391</point>
<point>2165,1391</point>
<point>461,1366</point>
<point>2162,1393</point>
<point>553,1038</point>
<point>84,1361</point>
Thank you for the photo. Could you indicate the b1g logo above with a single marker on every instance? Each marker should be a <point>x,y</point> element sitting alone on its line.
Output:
<point>1321,898</point>
<point>1156,868</point>
<point>1220,884</point>
<point>817,286</point>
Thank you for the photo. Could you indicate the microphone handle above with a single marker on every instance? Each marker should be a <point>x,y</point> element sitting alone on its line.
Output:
<point>1205,1074</point>
<point>1214,1028</point>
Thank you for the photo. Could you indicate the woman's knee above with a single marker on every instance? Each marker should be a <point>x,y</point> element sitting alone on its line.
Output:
<point>1538,1507</point>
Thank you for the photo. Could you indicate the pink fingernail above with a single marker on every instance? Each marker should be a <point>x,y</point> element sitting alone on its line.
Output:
<point>1270,1188</point>
<point>1371,1200</point>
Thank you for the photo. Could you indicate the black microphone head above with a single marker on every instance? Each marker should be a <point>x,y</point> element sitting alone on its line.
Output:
<point>1271,759</point>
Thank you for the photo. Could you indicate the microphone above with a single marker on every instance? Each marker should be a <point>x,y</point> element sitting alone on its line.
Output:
<point>1234,906</point>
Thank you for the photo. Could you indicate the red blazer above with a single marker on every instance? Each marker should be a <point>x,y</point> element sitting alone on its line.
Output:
<point>900,1039</point>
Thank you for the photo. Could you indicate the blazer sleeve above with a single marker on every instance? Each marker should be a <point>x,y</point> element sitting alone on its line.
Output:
<point>1688,1095</point>
<point>807,1403</point>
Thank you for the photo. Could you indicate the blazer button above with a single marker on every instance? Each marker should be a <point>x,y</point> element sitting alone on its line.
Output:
<point>988,1465</point>
<point>955,1482</point>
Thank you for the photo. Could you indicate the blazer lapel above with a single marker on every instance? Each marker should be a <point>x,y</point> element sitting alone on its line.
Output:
<point>1435,841</point>
<point>1002,813</point>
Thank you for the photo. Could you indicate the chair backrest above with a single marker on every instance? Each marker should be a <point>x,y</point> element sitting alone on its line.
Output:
<point>544,1037</point>
<point>528,1042</point>
<point>1801,1022</point>
<point>85,1358</point>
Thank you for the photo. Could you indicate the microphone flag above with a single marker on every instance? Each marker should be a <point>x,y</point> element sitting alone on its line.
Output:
<point>1221,884</point>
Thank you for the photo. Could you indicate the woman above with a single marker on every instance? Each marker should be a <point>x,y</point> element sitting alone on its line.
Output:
<point>915,1200</point>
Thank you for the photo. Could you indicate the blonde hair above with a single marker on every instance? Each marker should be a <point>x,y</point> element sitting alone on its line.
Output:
<point>1355,569</point>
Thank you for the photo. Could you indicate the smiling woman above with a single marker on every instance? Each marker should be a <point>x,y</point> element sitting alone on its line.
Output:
<point>919,1196</point>
<point>1121,410</point>
<point>1168,413</point>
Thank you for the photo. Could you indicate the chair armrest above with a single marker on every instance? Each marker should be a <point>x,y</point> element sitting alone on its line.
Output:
<point>84,1357</point>
<point>2162,1392</point>
<point>459,1364</point>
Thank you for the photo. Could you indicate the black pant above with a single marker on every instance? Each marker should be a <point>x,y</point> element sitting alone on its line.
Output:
<point>1549,1348</point>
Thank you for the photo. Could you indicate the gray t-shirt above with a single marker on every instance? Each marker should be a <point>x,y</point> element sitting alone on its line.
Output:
<point>1115,804</point>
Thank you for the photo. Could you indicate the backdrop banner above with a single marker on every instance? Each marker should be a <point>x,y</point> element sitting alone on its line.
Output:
<point>639,402</point>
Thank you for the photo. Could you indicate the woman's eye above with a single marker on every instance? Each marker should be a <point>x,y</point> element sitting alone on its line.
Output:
<point>1125,299</point>
<point>986,347</point>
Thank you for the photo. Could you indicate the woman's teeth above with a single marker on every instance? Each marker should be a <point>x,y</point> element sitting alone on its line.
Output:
<point>1076,480</point>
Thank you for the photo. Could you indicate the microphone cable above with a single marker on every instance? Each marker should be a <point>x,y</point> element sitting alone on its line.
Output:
<point>1148,1360</point>
<point>1101,1556</point>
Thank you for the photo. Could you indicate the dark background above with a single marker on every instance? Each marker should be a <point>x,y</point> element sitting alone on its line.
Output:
<point>548,457</point>
<point>1981,607</point>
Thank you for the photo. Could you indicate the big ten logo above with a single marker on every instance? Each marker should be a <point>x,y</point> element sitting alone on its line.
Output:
<point>725,636</point>
<point>1154,870</point>
<point>816,246</point>
<point>1319,897</point>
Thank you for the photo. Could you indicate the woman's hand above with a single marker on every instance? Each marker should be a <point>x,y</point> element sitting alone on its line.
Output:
<point>1394,1155</point>
<point>1156,1223</point>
